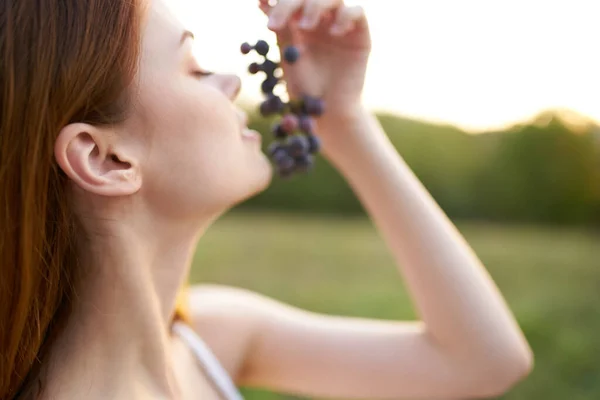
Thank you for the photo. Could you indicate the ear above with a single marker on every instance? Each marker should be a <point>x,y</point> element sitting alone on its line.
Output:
<point>85,153</point>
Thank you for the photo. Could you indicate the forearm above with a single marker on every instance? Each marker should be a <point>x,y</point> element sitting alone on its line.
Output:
<point>461,307</point>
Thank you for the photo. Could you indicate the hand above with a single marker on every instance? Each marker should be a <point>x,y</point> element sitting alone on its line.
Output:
<point>334,44</point>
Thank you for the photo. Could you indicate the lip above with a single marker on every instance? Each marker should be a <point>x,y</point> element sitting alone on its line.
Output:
<point>251,134</point>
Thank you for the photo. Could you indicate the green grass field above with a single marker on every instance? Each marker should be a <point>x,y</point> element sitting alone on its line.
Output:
<point>550,277</point>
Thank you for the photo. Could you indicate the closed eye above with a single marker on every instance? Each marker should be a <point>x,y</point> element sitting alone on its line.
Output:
<point>202,74</point>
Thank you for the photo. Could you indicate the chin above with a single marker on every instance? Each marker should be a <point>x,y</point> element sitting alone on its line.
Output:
<point>264,176</point>
<point>258,178</point>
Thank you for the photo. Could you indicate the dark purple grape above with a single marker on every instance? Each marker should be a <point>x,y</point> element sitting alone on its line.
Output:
<point>279,132</point>
<point>298,146</point>
<point>269,84</point>
<point>246,48</point>
<point>314,144</point>
<point>275,148</point>
<point>285,164</point>
<point>279,107</point>
<point>269,67</point>
<point>304,163</point>
<point>273,105</point>
<point>277,104</point>
<point>284,161</point>
<point>289,123</point>
<point>261,47</point>
<point>313,106</point>
<point>291,54</point>
<point>306,124</point>
<point>254,68</point>
<point>286,168</point>
<point>266,109</point>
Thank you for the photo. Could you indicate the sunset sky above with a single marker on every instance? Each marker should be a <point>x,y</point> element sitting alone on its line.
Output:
<point>472,63</point>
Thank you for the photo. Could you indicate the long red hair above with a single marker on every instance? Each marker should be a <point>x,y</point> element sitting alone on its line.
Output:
<point>61,61</point>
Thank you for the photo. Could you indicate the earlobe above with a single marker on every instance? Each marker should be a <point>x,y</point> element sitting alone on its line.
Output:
<point>88,157</point>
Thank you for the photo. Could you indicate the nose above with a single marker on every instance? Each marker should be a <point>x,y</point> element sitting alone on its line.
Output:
<point>230,85</point>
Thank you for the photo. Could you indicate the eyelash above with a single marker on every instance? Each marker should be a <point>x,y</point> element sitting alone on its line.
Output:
<point>202,74</point>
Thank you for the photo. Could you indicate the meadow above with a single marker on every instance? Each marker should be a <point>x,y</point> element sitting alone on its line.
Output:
<point>550,277</point>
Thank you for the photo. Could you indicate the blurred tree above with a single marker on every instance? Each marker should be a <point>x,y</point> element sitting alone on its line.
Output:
<point>545,171</point>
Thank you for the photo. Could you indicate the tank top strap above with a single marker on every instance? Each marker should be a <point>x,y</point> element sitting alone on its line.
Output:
<point>208,362</point>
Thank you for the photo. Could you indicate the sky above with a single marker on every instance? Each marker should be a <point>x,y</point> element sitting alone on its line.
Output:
<point>476,64</point>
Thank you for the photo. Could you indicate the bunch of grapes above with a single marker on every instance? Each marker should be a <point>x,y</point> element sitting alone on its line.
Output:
<point>295,144</point>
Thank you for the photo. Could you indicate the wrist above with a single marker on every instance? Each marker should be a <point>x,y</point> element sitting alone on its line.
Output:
<point>334,124</point>
<point>341,115</point>
<point>351,124</point>
<point>355,143</point>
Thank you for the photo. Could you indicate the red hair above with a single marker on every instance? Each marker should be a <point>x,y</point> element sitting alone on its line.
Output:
<point>61,61</point>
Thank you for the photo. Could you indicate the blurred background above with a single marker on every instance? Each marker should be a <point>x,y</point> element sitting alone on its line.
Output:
<point>495,105</point>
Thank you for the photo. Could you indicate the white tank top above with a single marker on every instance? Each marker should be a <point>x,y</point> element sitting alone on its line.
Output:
<point>208,362</point>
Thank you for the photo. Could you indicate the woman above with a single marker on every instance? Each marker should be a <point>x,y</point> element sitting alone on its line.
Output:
<point>117,151</point>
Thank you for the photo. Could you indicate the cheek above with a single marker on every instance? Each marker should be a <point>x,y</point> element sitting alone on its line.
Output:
<point>195,145</point>
<point>192,117</point>
<point>209,135</point>
<point>195,108</point>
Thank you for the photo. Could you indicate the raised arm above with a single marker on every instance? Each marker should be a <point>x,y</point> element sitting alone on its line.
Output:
<point>466,344</point>
<point>462,309</point>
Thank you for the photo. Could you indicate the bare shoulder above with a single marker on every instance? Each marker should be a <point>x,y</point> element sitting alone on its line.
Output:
<point>225,317</point>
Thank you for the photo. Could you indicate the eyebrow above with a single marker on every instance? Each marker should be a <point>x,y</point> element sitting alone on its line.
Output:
<point>186,34</point>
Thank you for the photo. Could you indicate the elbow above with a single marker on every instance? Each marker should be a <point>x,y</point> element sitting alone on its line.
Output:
<point>496,378</point>
<point>512,374</point>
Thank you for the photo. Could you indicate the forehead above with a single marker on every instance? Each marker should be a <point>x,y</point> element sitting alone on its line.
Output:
<point>161,34</point>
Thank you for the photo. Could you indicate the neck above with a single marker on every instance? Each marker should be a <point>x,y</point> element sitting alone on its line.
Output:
<point>125,306</point>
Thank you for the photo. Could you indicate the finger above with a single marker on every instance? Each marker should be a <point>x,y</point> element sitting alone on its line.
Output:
<point>314,10</point>
<point>265,6</point>
<point>346,19</point>
<point>282,12</point>
<point>283,35</point>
